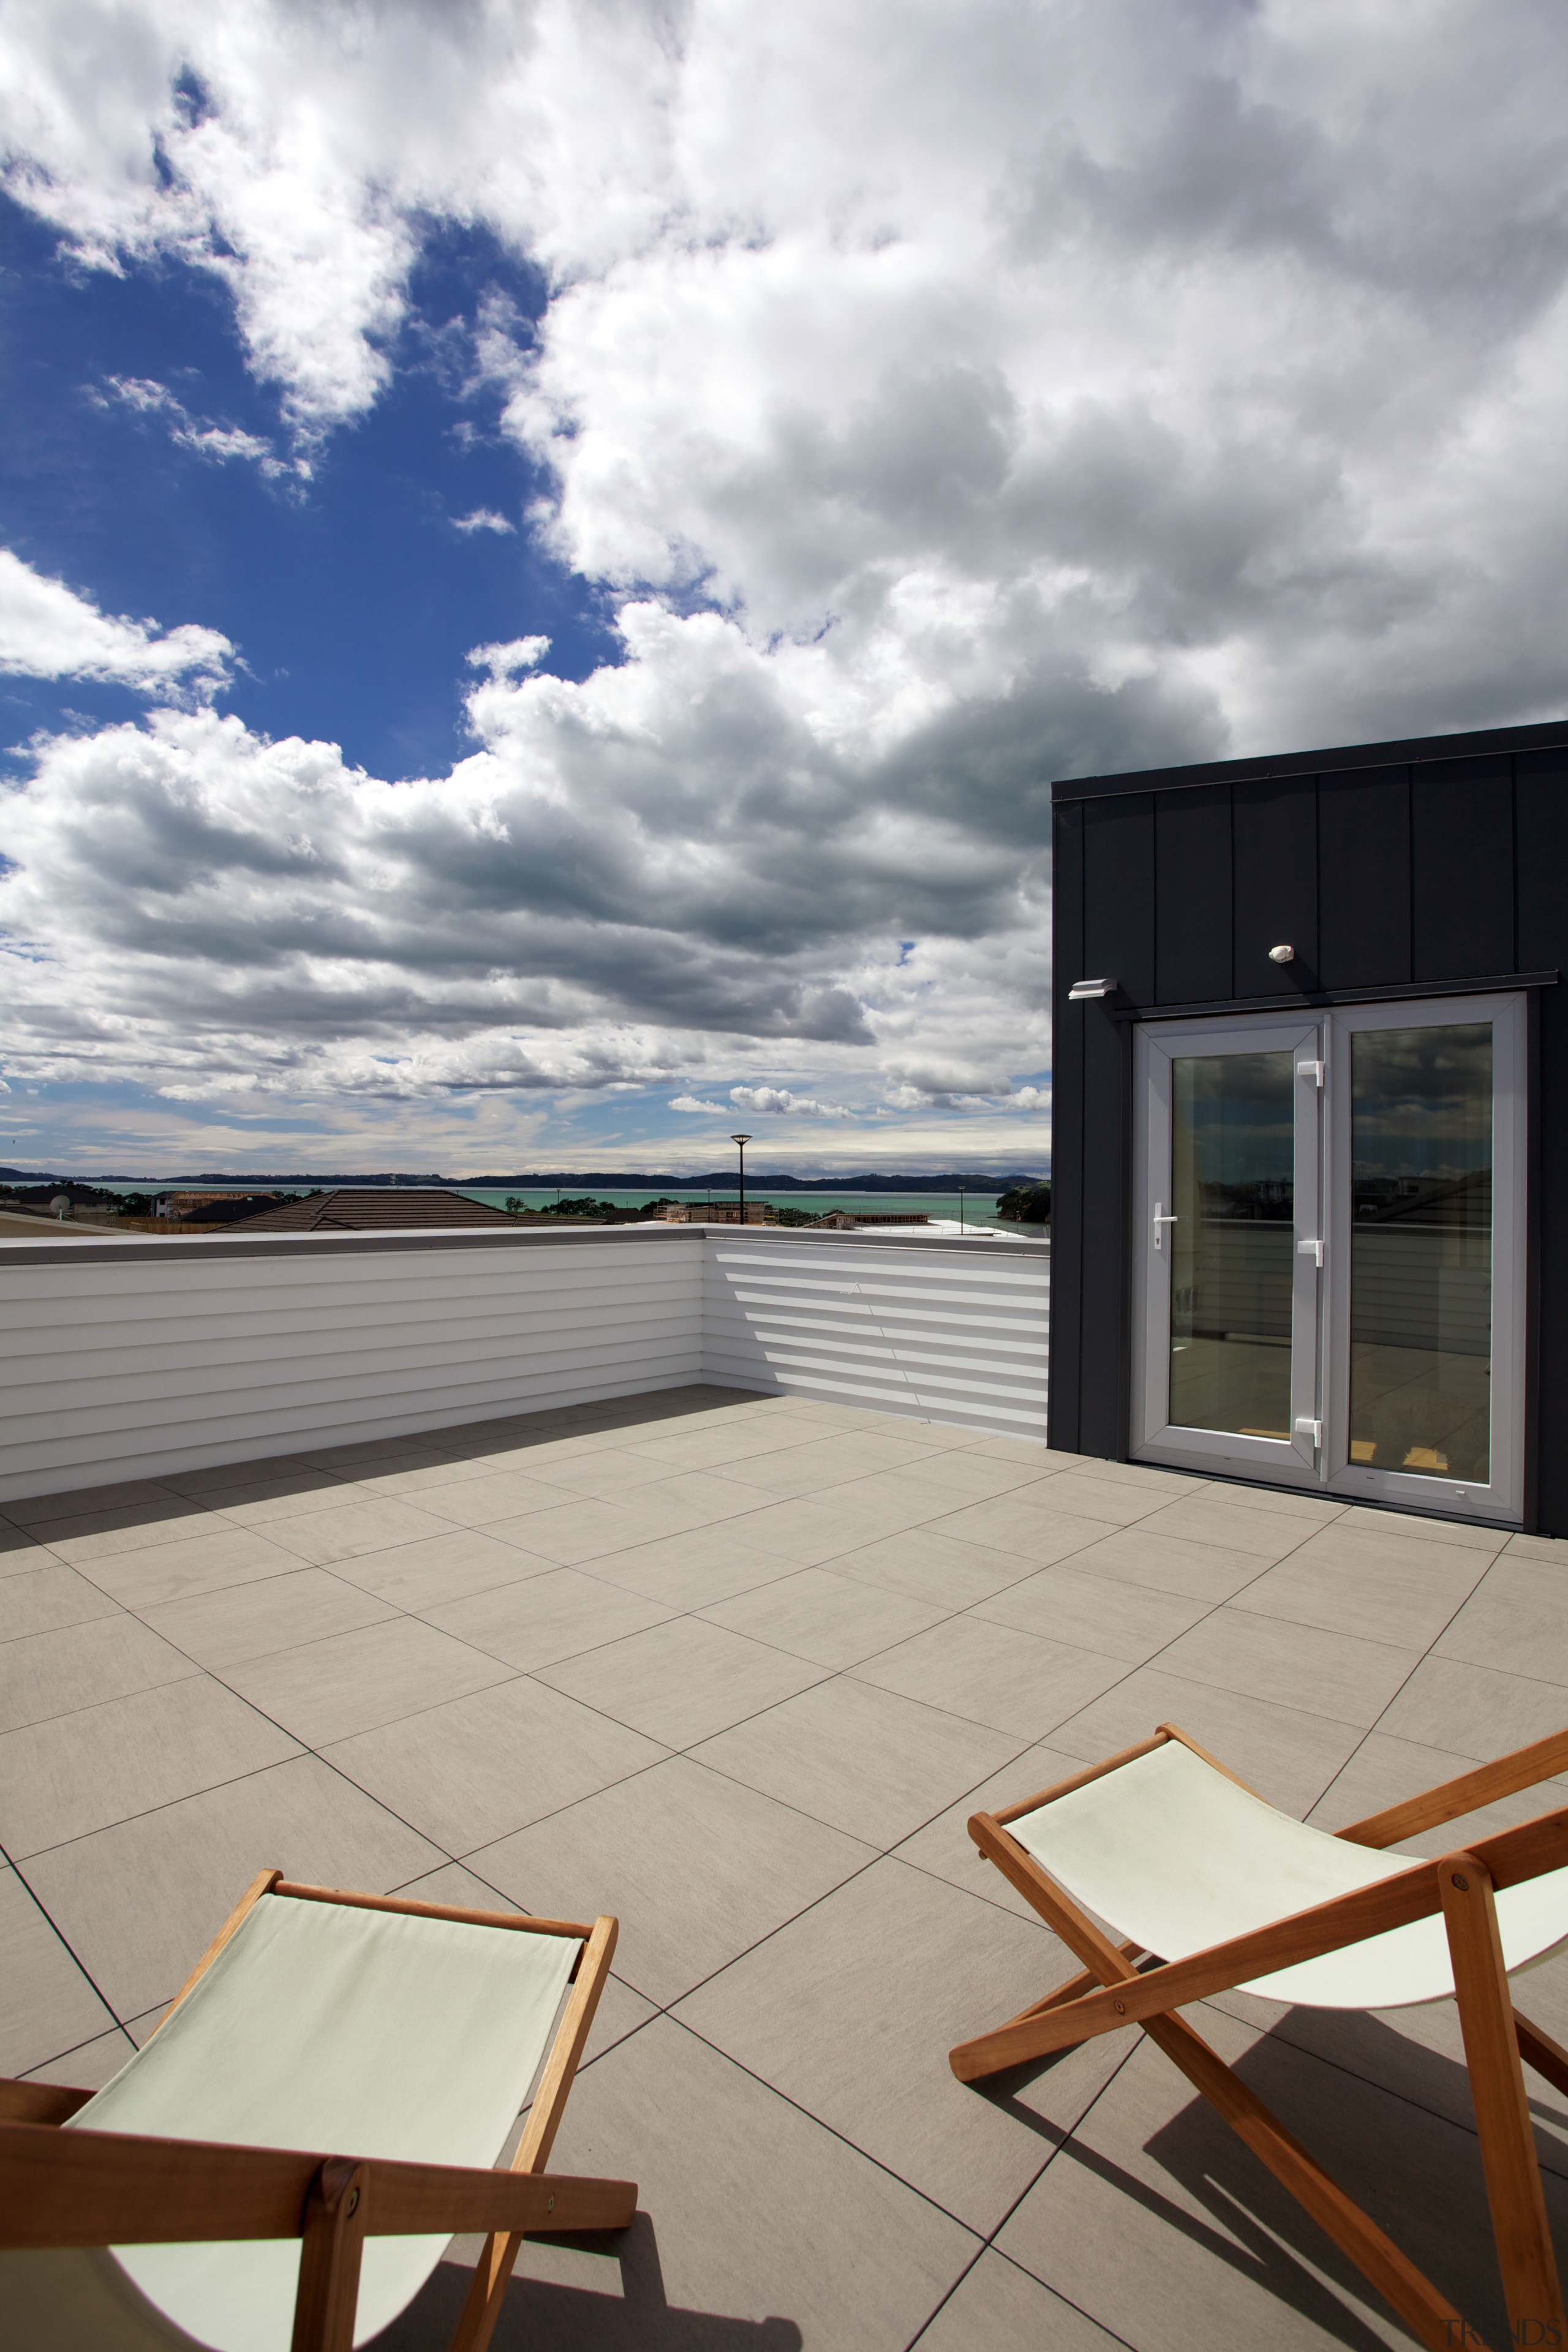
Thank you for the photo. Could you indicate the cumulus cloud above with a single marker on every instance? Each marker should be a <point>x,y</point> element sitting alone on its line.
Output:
<point>48,631</point>
<point>985,396</point>
<point>691,1103</point>
<point>482,519</point>
<point>777,1102</point>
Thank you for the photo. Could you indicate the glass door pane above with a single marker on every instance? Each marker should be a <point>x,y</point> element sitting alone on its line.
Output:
<point>1421,1250</point>
<point>1232,1242</point>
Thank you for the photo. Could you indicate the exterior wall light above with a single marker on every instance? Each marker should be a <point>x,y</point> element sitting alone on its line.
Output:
<point>1082,990</point>
<point>1281,955</point>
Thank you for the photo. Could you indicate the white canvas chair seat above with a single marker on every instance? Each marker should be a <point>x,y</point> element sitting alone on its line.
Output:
<point>1172,1883</point>
<point>1176,1856</point>
<point>318,2025</point>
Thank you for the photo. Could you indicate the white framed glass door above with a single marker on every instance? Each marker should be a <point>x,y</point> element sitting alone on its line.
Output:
<point>1329,1252</point>
<point>1229,1181</point>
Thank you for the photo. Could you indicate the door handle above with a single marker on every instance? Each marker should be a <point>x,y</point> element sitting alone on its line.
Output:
<point>1161,1222</point>
<point>1313,1428</point>
<point>1314,1250</point>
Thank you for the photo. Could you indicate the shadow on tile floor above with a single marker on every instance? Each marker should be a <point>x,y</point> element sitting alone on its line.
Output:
<point>635,2315</point>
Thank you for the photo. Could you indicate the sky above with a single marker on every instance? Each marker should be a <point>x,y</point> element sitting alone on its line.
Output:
<point>550,550</point>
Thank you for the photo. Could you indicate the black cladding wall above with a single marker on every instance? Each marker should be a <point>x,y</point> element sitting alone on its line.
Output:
<point>1385,865</point>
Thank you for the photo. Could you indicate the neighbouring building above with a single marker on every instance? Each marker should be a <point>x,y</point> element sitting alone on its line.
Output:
<point>1310,1111</point>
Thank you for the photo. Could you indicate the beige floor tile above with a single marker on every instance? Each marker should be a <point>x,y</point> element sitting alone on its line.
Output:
<point>1290,1501</point>
<point>1474,1710</point>
<point>716,1447</point>
<point>692,1570</point>
<point>682,1681</point>
<point>975,1477</point>
<point>88,2066</point>
<point>327,1690</point>
<point>447,1567</point>
<point>1516,1621</point>
<point>480,1500</point>
<point>809,1531</point>
<point>1346,1581</point>
<point>95,1536</point>
<point>47,2004</point>
<point>833,1620</point>
<point>990,1673</point>
<point>77,1773</point>
<point>44,1675</point>
<point>210,1562</point>
<point>350,1529</point>
<point>614,1472</point>
<point>475,1769</point>
<point>943,1847</point>
<point>73,1502</point>
<point>220,1630</point>
<point>705,2140</point>
<point>1081,1495</point>
<point>1550,1549</point>
<point>258,1503</point>
<point>256,1469</point>
<point>831,1462</point>
<point>1158,1562</point>
<point>939,1570</point>
<point>997,2307</point>
<point>1032,1532</point>
<point>40,1599</point>
<point>1209,2249</point>
<point>696,1866</point>
<point>1287,1755</point>
<point>1230,1526</point>
<point>577,1531</point>
<point>1092,1613</point>
<point>542,1619</point>
<point>1424,1529</point>
<point>15,1544</point>
<point>1291,1665</point>
<point>809,2010</point>
<point>412,1481</point>
<point>863,1760</point>
<point>140,1903</point>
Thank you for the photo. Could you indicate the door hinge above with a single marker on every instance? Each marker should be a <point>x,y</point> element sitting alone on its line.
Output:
<point>1314,1250</point>
<point>1316,1071</point>
<point>1313,1428</point>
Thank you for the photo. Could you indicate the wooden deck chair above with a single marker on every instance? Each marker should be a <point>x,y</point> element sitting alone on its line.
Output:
<point>1211,1890</point>
<point>279,2167</point>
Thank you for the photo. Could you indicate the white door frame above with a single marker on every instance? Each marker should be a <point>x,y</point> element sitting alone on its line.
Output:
<point>1320,1335</point>
<point>1154,1437</point>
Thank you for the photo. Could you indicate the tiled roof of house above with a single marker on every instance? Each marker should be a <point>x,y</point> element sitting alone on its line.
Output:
<point>352,1211</point>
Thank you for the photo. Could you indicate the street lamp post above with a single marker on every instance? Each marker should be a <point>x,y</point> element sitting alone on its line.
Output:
<point>742,1140</point>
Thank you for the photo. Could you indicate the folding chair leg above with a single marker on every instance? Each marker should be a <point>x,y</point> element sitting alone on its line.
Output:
<point>1530,2282</point>
<point>482,2305</point>
<point>328,2295</point>
<point>1378,2259</point>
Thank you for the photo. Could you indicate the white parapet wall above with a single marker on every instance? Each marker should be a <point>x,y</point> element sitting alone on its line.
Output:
<point>122,1359</point>
<point>953,1331</point>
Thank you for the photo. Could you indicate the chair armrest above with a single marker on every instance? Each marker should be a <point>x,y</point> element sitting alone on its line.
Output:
<point>95,2188</point>
<point>1449,1798</point>
<point>38,2102</point>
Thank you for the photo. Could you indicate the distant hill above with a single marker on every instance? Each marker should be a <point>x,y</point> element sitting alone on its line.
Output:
<point>622,1180</point>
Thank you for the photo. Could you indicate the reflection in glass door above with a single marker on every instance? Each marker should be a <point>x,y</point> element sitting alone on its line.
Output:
<point>1232,1241</point>
<point>1421,1250</point>
<point>1227,1350</point>
<point>1330,1250</point>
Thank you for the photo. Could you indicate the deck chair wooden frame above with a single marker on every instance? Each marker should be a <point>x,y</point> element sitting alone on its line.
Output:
<point>1120,1985</point>
<point>85,2188</point>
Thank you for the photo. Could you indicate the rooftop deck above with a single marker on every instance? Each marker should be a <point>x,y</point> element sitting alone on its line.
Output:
<point>738,1668</point>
